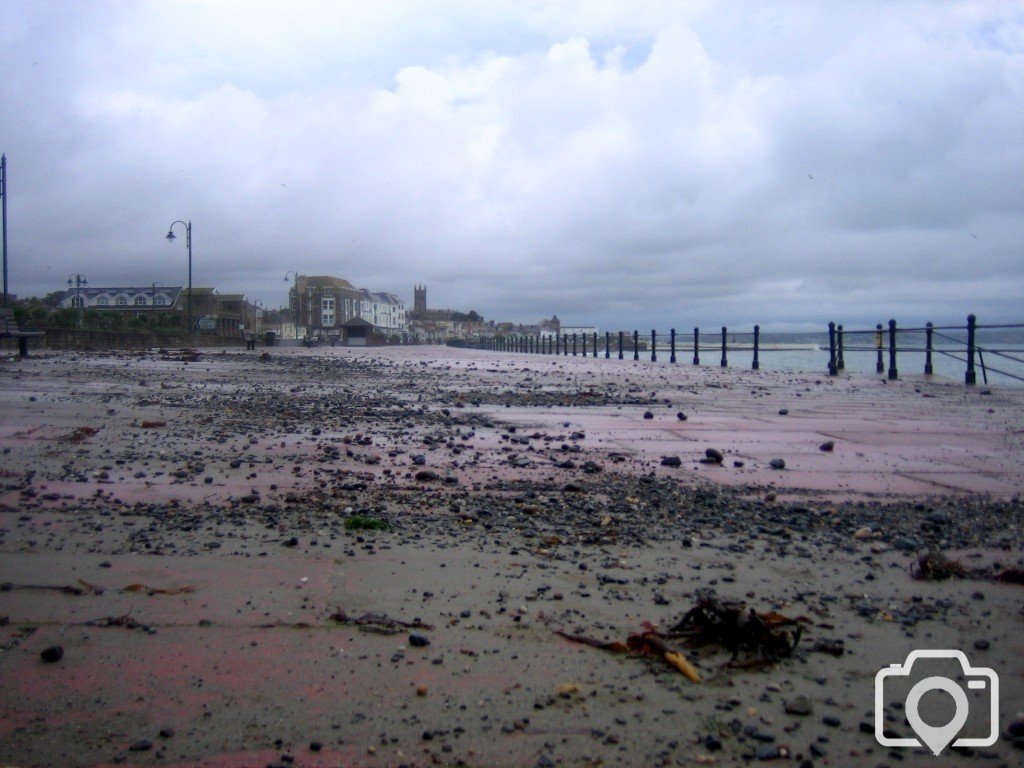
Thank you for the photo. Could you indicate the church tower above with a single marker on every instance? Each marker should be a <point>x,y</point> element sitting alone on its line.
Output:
<point>419,304</point>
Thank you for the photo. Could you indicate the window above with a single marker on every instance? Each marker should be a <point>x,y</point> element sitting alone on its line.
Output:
<point>76,302</point>
<point>140,300</point>
<point>327,305</point>
<point>121,301</point>
<point>326,319</point>
<point>159,300</point>
<point>103,301</point>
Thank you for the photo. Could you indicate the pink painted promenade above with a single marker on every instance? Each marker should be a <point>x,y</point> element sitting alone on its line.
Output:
<point>223,484</point>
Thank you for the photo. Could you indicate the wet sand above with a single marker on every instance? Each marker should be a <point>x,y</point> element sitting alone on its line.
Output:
<point>525,495</point>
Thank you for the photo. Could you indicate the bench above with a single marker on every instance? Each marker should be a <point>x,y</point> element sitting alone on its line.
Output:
<point>9,330</point>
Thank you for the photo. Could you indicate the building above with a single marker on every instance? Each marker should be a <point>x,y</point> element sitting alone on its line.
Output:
<point>136,300</point>
<point>212,312</point>
<point>323,304</point>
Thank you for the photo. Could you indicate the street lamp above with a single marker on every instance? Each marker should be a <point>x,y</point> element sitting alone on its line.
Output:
<point>78,281</point>
<point>188,243</point>
<point>297,298</point>
<point>3,222</point>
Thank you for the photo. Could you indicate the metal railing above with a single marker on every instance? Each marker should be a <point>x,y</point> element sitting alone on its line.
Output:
<point>628,344</point>
<point>892,341</point>
<point>889,344</point>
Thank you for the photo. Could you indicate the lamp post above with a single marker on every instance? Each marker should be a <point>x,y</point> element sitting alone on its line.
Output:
<point>188,243</point>
<point>3,221</point>
<point>297,298</point>
<point>78,281</point>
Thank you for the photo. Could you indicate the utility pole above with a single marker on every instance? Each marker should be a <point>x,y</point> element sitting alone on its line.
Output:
<point>3,221</point>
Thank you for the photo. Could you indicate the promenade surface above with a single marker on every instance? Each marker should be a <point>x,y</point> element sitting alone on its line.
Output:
<point>176,523</point>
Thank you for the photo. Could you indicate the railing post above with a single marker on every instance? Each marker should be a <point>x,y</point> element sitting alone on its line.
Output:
<point>620,344</point>
<point>584,344</point>
<point>725,360</point>
<point>928,328</point>
<point>893,375</point>
<point>970,377</point>
<point>832,370</point>
<point>607,345</point>
<point>696,346</point>
<point>565,344</point>
<point>757,343</point>
<point>558,344</point>
<point>595,343</point>
<point>574,345</point>
<point>672,358</point>
<point>636,345</point>
<point>879,365</point>
<point>654,347</point>
<point>840,363</point>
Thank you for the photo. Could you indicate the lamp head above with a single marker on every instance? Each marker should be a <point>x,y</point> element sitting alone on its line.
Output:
<point>170,235</point>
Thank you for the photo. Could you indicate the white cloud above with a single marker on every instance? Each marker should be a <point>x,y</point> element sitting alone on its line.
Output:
<point>614,163</point>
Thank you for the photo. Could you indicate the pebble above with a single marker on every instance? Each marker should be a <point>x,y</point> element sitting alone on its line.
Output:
<point>715,455</point>
<point>777,464</point>
<point>418,640</point>
<point>827,446</point>
<point>671,461</point>
<point>800,705</point>
<point>140,745</point>
<point>905,543</point>
<point>52,654</point>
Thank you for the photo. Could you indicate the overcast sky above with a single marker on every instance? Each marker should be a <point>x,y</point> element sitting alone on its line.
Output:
<point>622,164</point>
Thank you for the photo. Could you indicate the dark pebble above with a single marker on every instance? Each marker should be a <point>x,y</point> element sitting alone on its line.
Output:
<point>767,752</point>
<point>831,721</point>
<point>140,745</point>
<point>52,654</point>
<point>418,640</point>
<point>648,415</point>
<point>671,461</point>
<point>777,464</point>
<point>982,644</point>
<point>827,446</point>
<point>799,705</point>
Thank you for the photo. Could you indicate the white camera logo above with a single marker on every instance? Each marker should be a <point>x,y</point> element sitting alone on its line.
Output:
<point>937,738</point>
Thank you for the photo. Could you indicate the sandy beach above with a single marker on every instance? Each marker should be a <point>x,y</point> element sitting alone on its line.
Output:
<point>409,556</point>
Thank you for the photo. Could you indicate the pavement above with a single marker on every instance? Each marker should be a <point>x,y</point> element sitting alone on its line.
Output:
<point>200,633</point>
